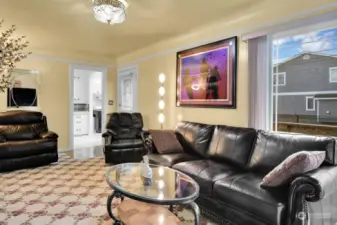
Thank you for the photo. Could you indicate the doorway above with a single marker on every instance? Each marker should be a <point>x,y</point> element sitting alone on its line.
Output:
<point>87,110</point>
<point>127,89</point>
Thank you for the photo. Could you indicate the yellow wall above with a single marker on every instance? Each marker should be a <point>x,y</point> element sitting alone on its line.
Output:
<point>161,58</point>
<point>54,93</point>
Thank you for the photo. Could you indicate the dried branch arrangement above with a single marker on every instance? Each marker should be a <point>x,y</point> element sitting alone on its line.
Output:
<point>10,54</point>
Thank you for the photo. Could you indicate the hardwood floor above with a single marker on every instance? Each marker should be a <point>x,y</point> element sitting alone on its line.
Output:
<point>86,153</point>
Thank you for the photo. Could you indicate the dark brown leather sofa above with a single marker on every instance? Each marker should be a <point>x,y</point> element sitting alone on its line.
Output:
<point>25,140</point>
<point>229,164</point>
<point>124,138</point>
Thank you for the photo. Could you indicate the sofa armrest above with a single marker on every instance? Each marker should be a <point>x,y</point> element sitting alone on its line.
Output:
<point>48,135</point>
<point>109,133</point>
<point>311,187</point>
<point>146,133</point>
<point>109,136</point>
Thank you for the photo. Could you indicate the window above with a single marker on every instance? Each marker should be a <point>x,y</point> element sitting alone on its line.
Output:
<point>305,65</point>
<point>279,79</point>
<point>333,75</point>
<point>310,104</point>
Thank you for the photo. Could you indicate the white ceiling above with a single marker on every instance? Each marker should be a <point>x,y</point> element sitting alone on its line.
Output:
<point>65,27</point>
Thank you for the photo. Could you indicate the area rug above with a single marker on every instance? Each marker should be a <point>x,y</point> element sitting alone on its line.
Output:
<point>69,192</point>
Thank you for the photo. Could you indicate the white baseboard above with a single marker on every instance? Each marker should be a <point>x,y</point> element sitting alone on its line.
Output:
<point>64,150</point>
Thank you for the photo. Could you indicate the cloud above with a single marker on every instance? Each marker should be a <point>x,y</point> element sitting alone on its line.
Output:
<point>316,46</point>
<point>315,42</point>
<point>281,41</point>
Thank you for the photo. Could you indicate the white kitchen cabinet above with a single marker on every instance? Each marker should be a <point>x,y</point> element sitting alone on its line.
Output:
<point>81,90</point>
<point>81,126</point>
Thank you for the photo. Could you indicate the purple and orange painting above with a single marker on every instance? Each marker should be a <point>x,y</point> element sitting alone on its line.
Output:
<point>206,75</point>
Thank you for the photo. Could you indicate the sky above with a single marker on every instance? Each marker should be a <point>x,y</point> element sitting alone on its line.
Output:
<point>324,42</point>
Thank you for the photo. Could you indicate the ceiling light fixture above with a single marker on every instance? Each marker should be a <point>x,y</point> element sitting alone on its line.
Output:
<point>109,11</point>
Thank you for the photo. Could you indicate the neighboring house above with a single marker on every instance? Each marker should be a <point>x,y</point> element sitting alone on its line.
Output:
<point>306,86</point>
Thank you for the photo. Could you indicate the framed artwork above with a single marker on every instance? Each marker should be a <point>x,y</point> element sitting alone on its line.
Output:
<point>206,75</point>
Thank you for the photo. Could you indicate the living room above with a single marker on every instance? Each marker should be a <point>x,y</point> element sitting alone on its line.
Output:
<point>266,40</point>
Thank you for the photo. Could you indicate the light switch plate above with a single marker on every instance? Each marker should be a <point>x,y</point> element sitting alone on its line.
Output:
<point>110,102</point>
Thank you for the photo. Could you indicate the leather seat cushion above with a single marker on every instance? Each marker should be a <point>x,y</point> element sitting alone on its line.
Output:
<point>17,149</point>
<point>116,156</point>
<point>243,191</point>
<point>205,173</point>
<point>170,159</point>
<point>125,143</point>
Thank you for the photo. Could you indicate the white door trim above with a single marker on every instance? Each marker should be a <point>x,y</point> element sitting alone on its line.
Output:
<point>72,68</point>
<point>134,69</point>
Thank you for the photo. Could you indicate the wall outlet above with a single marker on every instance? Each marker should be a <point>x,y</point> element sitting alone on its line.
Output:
<point>110,102</point>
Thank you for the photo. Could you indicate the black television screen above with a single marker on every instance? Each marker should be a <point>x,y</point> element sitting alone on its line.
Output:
<point>17,97</point>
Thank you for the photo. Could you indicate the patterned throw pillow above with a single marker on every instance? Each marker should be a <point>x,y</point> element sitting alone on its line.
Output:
<point>166,141</point>
<point>296,164</point>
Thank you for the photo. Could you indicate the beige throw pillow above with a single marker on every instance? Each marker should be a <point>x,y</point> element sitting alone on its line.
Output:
<point>296,164</point>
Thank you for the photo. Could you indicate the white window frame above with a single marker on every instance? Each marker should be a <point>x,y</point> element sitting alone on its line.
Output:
<point>276,75</point>
<point>306,103</point>
<point>330,73</point>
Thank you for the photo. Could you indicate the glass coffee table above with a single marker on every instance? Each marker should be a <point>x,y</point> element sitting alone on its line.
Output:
<point>168,187</point>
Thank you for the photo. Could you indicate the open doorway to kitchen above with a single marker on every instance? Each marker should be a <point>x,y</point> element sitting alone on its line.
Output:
<point>87,110</point>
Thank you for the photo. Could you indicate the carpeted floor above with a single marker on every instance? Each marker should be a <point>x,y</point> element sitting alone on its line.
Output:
<point>70,192</point>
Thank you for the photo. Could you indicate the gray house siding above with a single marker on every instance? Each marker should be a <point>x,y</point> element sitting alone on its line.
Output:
<point>328,111</point>
<point>293,105</point>
<point>307,75</point>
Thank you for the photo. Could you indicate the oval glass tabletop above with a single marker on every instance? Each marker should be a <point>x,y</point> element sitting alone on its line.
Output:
<point>167,186</point>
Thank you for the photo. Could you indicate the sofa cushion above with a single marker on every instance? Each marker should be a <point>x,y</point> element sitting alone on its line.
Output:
<point>205,173</point>
<point>272,148</point>
<point>232,144</point>
<point>126,143</point>
<point>194,137</point>
<point>22,131</point>
<point>165,141</point>
<point>17,149</point>
<point>20,117</point>
<point>295,165</point>
<point>243,192</point>
<point>170,159</point>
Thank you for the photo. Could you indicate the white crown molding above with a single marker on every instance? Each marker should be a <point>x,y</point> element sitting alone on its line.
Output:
<point>50,58</point>
<point>239,32</point>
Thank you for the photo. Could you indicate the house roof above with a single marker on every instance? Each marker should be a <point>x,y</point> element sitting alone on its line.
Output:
<point>304,53</point>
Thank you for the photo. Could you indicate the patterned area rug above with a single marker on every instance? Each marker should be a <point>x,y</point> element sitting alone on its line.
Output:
<point>69,192</point>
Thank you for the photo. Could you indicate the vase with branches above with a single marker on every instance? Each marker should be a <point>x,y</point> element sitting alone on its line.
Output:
<point>10,54</point>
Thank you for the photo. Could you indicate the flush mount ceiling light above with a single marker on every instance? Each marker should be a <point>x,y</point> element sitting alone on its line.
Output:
<point>109,11</point>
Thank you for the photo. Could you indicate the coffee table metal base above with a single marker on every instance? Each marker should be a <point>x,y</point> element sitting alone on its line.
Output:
<point>193,206</point>
<point>111,197</point>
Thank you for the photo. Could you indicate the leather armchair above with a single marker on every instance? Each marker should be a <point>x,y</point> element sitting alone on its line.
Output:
<point>48,135</point>
<point>124,138</point>
<point>25,140</point>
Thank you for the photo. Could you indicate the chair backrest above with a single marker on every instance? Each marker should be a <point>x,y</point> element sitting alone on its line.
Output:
<point>271,148</point>
<point>21,125</point>
<point>232,144</point>
<point>125,125</point>
<point>195,137</point>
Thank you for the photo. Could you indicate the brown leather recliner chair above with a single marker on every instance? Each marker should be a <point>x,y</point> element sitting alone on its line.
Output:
<point>124,138</point>
<point>25,140</point>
